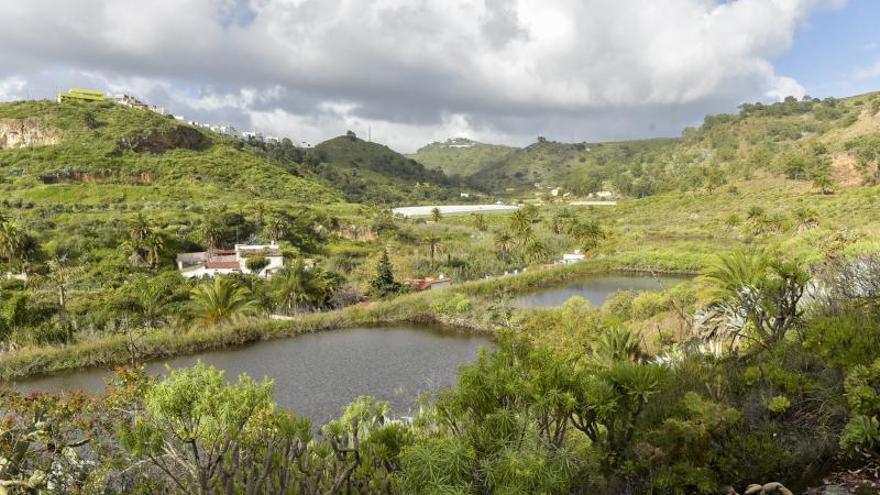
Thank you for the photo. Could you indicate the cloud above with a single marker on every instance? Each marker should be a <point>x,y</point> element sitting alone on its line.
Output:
<point>869,72</point>
<point>508,70</point>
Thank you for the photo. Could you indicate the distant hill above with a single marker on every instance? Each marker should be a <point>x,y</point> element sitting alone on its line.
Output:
<point>374,173</point>
<point>462,156</point>
<point>832,141</point>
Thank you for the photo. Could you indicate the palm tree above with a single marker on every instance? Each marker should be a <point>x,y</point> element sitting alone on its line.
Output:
<point>153,302</point>
<point>139,227</point>
<point>562,221</point>
<point>211,232</point>
<point>144,245</point>
<point>291,286</point>
<point>731,273</point>
<point>435,214</point>
<point>220,301</point>
<point>154,244</point>
<point>521,224</point>
<point>535,251</point>
<point>60,275</point>
<point>480,222</point>
<point>17,247</point>
<point>275,227</point>
<point>588,234</point>
<point>434,247</point>
<point>503,245</point>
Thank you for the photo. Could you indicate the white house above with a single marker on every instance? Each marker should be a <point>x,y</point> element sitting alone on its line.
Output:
<point>226,261</point>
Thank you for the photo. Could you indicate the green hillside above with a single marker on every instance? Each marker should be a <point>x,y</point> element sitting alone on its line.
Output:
<point>830,141</point>
<point>462,156</point>
<point>104,149</point>
<point>374,173</point>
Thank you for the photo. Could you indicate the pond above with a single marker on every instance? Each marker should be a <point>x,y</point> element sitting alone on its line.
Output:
<point>317,374</point>
<point>595,288</point>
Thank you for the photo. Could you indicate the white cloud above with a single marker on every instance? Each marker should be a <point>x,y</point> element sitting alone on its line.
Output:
<point>869,72</point>
<point>518,68</point>
<point>12,87</point>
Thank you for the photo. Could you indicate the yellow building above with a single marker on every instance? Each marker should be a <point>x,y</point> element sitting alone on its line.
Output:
<point>77,94</point>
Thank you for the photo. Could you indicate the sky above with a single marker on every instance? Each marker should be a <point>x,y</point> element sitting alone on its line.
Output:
<point>409,72</point>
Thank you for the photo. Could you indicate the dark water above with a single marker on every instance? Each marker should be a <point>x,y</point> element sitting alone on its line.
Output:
<point>596,288</point>
<point>317,374</point>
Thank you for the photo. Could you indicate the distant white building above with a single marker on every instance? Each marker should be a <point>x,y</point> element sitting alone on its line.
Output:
<point>571,258</point>
<point>554,192</point>
<point>226,261</point>
<point>602,195</point>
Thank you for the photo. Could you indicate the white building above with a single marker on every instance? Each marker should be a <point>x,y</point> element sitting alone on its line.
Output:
<point>226,261</point>
<point>571,258</point>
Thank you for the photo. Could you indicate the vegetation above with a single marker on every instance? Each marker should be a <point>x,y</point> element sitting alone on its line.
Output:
<point>766,369</point>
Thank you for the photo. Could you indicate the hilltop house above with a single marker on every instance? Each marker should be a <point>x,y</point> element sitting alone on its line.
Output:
<point>226,261</point>
<point>78,94</point>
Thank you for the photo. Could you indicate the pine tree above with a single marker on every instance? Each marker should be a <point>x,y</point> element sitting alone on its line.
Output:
<point>384,284</point>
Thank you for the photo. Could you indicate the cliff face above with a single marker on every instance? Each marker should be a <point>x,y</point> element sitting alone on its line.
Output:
<point>22,133</point>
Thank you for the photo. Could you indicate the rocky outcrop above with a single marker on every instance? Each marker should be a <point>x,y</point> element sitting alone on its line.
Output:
<point>160,142</point>
<point>24,133</point>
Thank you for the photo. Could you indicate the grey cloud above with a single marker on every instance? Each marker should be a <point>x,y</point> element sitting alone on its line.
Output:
<point>506,70</point>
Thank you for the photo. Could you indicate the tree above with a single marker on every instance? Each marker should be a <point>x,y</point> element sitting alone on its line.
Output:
<point>435,247</point>
<point>276,227</point>
<point>563,221</point>
<point>211,232</point>
<point>480,222</point>
<point>755,297</point>
<point>589,234</point>
<point>384,284</point>
<point>823,183</point>
<point>60,275</point>
<point>535,251</point>
<point>17,247</point>
<point>435,214</point>
<point>144,245</point>
<point>290,286</point>
<point>208,437</point>
<point>220,301</point>
<point>503,245</point>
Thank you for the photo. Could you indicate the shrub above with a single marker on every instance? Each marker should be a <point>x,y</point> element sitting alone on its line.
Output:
<point>256,263</point>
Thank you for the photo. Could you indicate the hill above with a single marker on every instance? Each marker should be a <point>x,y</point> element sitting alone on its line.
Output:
<point>462,156</point>
<point>374,173</point>
<point>830,141</point>
<point>91,151</point>
<point>74,174</point>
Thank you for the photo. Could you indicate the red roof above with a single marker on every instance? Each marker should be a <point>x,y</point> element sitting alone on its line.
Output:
<point>219,265</point>
<point>424,283</point>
